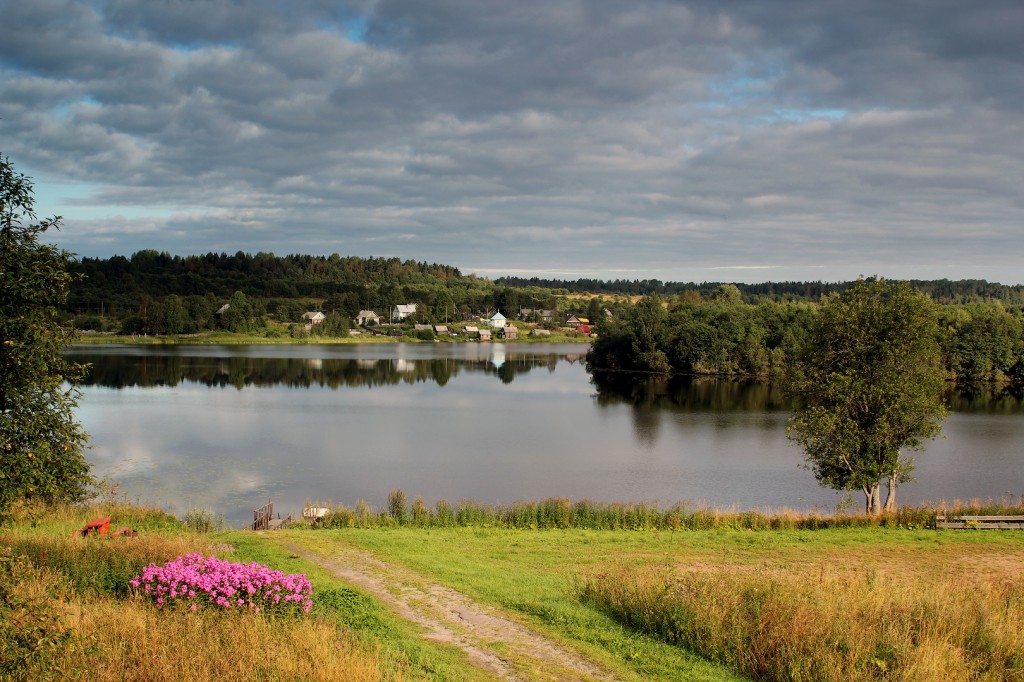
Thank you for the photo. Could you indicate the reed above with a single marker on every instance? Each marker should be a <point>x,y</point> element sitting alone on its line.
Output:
<point>832,625</point>
<point>563,513</point>
<point>203,521</point>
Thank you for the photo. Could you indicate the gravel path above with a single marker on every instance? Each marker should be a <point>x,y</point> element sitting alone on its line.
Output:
<point>491,639</point>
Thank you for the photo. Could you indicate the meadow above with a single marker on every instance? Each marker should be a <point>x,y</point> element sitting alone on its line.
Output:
<point>69,612</point>
<point>842,603</point>
<point>740,597</point>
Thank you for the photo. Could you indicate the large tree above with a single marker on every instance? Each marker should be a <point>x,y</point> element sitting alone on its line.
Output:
<point>41,442</point>
<point>868,383</point>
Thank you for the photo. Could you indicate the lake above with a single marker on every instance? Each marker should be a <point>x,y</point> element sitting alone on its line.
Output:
<point>225,428</point>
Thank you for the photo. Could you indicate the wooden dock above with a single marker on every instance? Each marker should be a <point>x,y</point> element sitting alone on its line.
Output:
<point>979,522</point>
<point>263,518</point>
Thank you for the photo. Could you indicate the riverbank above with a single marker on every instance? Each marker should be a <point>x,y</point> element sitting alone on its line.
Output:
<point>837,603</point>
<point>233,339</point>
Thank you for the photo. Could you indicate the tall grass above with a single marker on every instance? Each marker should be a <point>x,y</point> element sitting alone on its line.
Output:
<point>111,639</point>
<point>67,612</point>
<point>564,513</point>
<point>829,626</point>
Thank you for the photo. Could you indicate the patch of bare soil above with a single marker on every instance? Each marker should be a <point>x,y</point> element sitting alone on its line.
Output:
<point>490,638</point>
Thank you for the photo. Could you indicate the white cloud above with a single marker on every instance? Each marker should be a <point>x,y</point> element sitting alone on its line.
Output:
<point>576,137</point>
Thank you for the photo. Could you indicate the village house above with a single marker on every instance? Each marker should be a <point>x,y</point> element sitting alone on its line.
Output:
<point>402,311</point>
<point>536,314</point>
<point>442,330</point>
<point>485,334</point>
<point>366,317</point>
<point>497,320</point>
<point>574,322</point>
<point>314,317</point>
<point>509,332</point>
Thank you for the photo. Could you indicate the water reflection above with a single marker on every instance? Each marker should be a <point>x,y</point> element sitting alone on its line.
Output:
<point>128,366</point>
<point>227,427</point>
<point>725,396</point>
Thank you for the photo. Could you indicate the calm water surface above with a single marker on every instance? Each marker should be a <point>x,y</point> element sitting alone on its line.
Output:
<point>227,427</point>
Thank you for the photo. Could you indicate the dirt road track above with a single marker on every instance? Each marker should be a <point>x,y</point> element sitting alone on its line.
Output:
<point>491,639</point>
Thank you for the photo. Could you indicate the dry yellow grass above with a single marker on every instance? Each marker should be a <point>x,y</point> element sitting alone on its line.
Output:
<point>134,641</point>
<point>776,624</point>
<point>109,639</point>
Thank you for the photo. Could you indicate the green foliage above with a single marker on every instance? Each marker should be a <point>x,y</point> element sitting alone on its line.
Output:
<point>41,443</point>
<point>558,512</point>
<point>868,383</point>
<point>203,521</point>
<point>982,342</point>
<point>334,326</point>
<point>239,316</point>
<point>721,336</point>
<point>398,505</point>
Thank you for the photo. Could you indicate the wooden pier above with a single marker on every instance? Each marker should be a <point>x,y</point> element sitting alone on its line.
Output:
<point>263,518</point>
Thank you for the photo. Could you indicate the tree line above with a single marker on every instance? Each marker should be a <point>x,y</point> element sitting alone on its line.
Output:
<point>156,293</point>
<point>940,290</point>
<point>722,335</point>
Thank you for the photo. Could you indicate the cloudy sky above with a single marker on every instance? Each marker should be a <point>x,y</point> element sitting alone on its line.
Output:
<point>746,141</point>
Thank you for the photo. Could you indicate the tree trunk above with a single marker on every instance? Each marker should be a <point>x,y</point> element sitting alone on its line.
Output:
<point>873,499</point>
<point>890,500</point>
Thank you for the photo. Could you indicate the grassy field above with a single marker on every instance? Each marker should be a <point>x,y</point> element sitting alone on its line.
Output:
<point>725,603</point>
<point>853,603</point>
<point>67,612</point>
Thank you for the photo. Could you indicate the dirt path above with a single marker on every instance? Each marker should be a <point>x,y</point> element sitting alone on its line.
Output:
<point>491,639</point>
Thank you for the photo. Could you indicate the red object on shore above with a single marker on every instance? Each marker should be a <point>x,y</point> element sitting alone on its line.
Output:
<point>99,526</point>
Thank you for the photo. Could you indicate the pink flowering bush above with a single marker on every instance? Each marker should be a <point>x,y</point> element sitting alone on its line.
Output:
<point>200,581</point>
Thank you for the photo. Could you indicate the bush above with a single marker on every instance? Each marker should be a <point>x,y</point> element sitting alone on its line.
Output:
<point>208,581</point>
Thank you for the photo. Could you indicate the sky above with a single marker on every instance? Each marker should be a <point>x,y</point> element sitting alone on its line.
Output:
<point>740,141</point>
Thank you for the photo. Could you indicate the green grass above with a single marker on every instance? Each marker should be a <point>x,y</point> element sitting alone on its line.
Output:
<point>357,609</point>
<point>588,514</point>
<point>543,574</point>
<point>532,573</point>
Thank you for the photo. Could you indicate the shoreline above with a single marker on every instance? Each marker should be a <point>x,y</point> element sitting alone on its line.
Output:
<point>227,338</point>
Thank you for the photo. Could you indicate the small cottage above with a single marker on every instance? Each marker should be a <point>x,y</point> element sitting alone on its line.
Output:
<point>313,317</point>
<point>402,311</point>
<point>509,332</point>
<point>366,317</point>
<point>497,321</point>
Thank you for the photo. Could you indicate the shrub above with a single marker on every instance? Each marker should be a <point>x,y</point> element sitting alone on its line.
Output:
<point>203,521</point>
<point>398,505</point>
<point>209,581</point>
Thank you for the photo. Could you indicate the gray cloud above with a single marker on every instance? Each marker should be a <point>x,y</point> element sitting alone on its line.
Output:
<point>681,140</point>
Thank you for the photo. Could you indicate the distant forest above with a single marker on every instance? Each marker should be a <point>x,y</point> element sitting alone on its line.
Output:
<point>715,329</point>
<point>940,290</point>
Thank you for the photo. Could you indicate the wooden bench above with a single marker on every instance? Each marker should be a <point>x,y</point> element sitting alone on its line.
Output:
<point>979,522</point>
